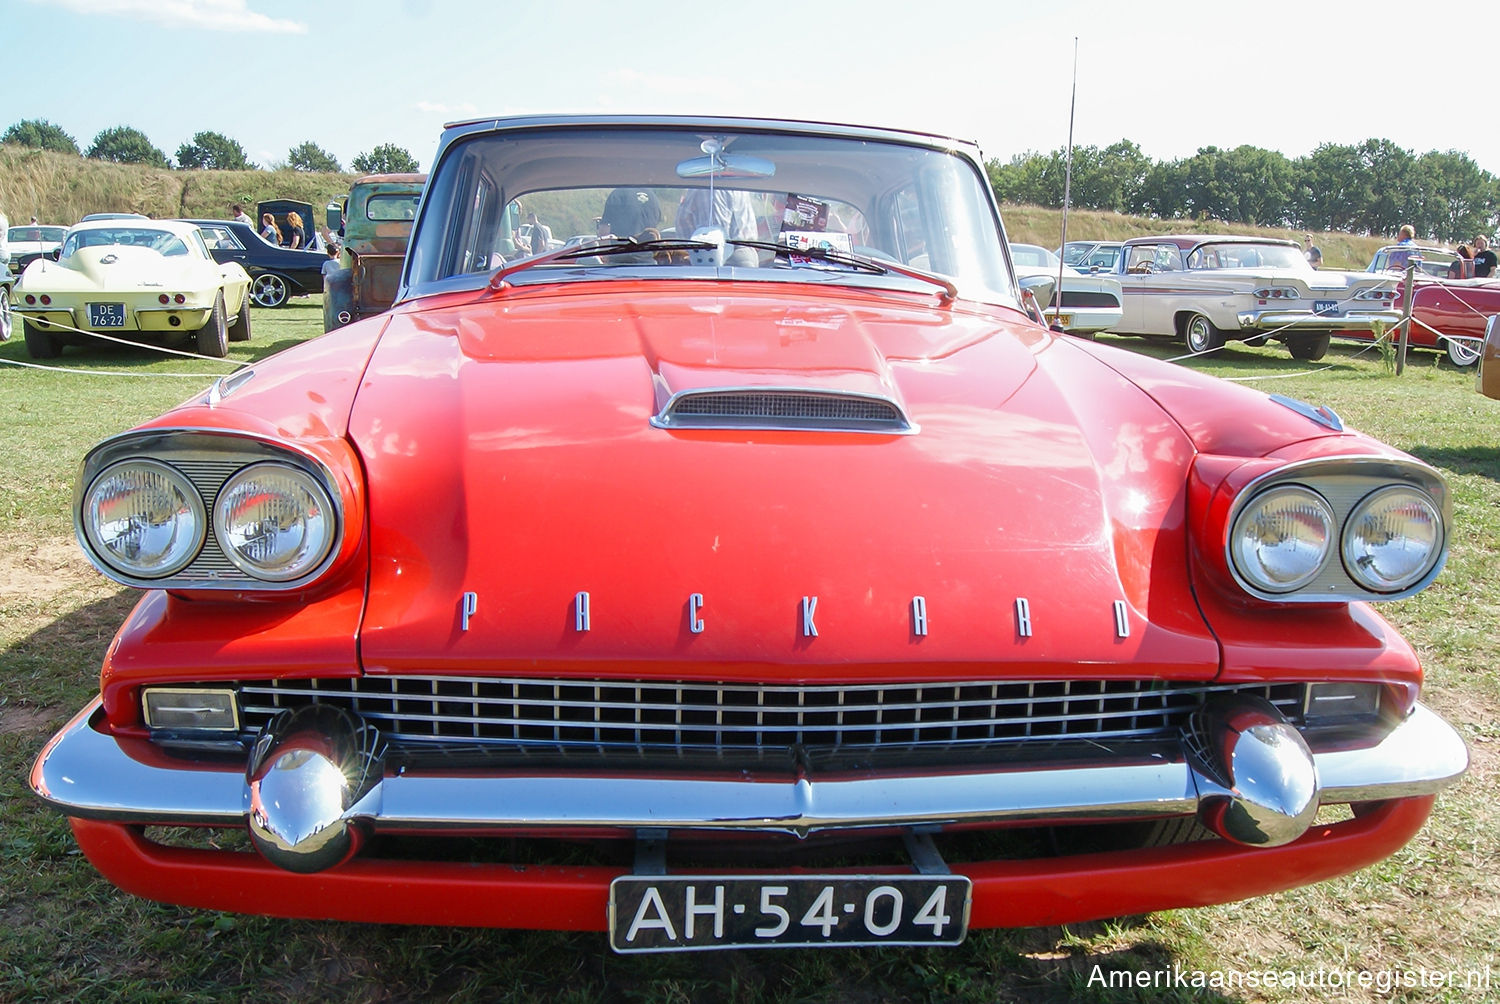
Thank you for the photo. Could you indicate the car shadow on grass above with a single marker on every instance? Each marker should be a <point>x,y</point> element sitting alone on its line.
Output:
<point>1484,462</point>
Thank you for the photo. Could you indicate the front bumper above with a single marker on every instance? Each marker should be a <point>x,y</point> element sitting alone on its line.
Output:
<point>85,773</point>
<point>1305,320</point>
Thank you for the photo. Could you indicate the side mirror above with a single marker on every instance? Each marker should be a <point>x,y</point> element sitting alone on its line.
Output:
<point>1487,374</point>
<point>1035,291</point>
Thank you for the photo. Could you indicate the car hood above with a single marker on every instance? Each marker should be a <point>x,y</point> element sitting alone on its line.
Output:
<point>1033,521</point>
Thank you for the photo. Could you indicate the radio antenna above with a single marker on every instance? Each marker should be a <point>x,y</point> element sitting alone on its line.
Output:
<point>1067,183</point>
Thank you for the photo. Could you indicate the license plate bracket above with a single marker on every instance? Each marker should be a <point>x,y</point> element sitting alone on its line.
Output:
<point>683,913</point>
<point>1326,308</point>
<point>106,315</point>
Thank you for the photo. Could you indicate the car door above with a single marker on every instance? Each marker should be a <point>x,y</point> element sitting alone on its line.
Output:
<point>1148,275</point>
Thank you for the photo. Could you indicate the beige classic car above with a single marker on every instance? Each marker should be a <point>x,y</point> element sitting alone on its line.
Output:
<point>1206,290</point>
<point>1089,303</point>
<point>145,278</point>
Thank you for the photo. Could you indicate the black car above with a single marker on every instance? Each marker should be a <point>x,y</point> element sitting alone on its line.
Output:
<point>276,273</point>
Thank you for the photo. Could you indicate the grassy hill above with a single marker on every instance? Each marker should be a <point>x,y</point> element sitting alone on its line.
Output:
<point>61,188</point>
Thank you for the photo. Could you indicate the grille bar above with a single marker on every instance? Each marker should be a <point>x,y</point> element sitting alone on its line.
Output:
<point>674,716</point>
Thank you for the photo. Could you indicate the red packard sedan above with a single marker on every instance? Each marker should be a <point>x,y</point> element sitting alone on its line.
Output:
<point>760,572</point>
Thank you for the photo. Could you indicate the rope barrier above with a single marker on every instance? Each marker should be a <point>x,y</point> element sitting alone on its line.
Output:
<point>132,344</point>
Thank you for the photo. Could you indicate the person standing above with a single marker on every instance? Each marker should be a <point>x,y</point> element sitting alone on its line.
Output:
<point>1311,251</point>
<point>1484,258</point>
<point>269,231</point>
<point>541,235</point>
<point>240,216</point>
<point>295,236</point>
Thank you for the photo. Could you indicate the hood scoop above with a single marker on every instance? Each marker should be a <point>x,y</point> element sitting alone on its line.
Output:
<point>770,408</point>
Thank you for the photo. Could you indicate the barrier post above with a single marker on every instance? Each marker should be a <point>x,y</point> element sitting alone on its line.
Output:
<point>1405,325</point>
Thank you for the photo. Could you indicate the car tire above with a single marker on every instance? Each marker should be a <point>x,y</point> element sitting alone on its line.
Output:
<point>213,337</point>
<point>270,290</point>
<point>1201,335</point>
<point>40,344</point>
<point>239,331</point>
<point>7,319</point>
<point>1309,348</point>
<point>1462,353</point>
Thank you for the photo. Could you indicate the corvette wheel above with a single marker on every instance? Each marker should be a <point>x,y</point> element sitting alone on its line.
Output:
<point>1461,352</point>
<point>1309,348</point>
<point>7,320</point>
<point>269,290</point>
<point>239,331</point>
<point>1201,335</point>
<point>39,344</point>
<point>213,337</point>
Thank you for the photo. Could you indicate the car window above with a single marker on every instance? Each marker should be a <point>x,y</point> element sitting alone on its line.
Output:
<point>391,207</point>
<point>1154,258</point>
<point>161,241</point>
<point>1104,257</point>
<point>911,204</point>
<point>219,239</point>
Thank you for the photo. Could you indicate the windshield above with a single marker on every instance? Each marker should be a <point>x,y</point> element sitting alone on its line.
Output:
<point>1248,255</point>
<point>1031,256</point>
<point>160,241</point>
<point>497,197</point>
<point>36,233</point>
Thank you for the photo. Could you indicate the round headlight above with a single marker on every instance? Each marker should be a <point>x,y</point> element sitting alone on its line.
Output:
<point>143,519</point>
<point>1392,539</point>
<point>274,522</point>
<point>1282,538</point>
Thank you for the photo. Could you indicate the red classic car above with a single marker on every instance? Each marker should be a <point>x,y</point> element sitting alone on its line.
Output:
<point>780,582</point>
<point>1450,306</point>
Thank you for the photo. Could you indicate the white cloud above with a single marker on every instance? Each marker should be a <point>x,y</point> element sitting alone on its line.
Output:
<point>211,15</point>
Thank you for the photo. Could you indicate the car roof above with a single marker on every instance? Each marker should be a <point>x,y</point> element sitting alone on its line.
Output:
<point>1188,241</point>
<point>714,122</point>
<point>181,228</point>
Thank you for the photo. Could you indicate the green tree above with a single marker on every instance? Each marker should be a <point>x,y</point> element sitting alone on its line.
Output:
<point>309,156</point>
<point>387,158</point>
<point>124,145</point>
<point>39,134</point>
<point>1457,199</point>
<point>213,151</point>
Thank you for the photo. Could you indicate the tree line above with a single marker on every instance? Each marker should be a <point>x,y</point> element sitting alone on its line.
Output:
<point>207,150</point>
<point>1366,188</point>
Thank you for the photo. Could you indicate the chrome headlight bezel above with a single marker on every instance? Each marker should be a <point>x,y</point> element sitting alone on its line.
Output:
<point>207,459</point>
<point>188,541</point>
<point>1295,506</point>
<point>1359,565</point>
<point>316,525</point>
<point>1345,483</point>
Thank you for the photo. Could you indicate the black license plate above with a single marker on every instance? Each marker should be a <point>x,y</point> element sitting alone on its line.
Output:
<point>106,315</point>
<point>1326,308</point>
<point>672,913</point>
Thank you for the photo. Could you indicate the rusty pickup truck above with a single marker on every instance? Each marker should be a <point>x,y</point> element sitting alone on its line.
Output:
<point>375,224</point>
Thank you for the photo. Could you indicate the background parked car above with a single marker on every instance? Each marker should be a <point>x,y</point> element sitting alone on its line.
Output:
<point>1089,303</point>
<point>276,273</point>
<point>1092,256</point>
<point>279,208</point>
<point>1448,314</point>
<point>375,225</point>
<point>1206,290</point>
<point>152,277</point>
<point>27,244</point>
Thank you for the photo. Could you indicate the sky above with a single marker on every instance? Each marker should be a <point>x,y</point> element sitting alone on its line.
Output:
<point>1170,76</point>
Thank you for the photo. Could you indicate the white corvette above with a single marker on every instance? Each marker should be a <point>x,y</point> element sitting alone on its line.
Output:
<point>149,277</point>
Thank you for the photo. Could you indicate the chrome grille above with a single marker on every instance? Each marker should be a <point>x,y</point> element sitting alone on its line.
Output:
<point>778,409</point>
<point>208,476</point>
<point>679,718</point>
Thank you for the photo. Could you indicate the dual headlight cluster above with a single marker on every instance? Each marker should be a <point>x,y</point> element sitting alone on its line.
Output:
<point>1286,537</point>
<point>146,520</point>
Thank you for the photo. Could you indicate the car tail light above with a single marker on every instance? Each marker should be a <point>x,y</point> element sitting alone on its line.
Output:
<point>46,300</point>
<point>1277,293</point>
<point>30,300</point>
<point>162,298</point>
<point>179,298</point>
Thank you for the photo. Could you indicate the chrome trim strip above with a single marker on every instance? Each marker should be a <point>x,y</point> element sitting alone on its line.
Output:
<point>83,772</point>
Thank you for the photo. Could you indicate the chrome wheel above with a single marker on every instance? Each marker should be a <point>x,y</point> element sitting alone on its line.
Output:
<point>6,318</point>
<point>269,290</point>
<point>1201,335</point>
<point>1462,352</point>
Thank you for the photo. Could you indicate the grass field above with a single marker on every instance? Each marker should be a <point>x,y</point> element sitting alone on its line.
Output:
<point>67,934</point>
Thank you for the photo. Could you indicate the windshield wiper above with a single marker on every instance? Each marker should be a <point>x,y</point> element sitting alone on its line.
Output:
<point>879,266</point>
<point>611,245</point>
<point>600,248</point>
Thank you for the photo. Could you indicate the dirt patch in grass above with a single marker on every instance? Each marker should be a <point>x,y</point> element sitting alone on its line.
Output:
<point>33,570</point>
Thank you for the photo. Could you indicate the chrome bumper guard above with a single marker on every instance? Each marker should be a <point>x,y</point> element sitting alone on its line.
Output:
<point>1302,320</point>
<point>306,802</point>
